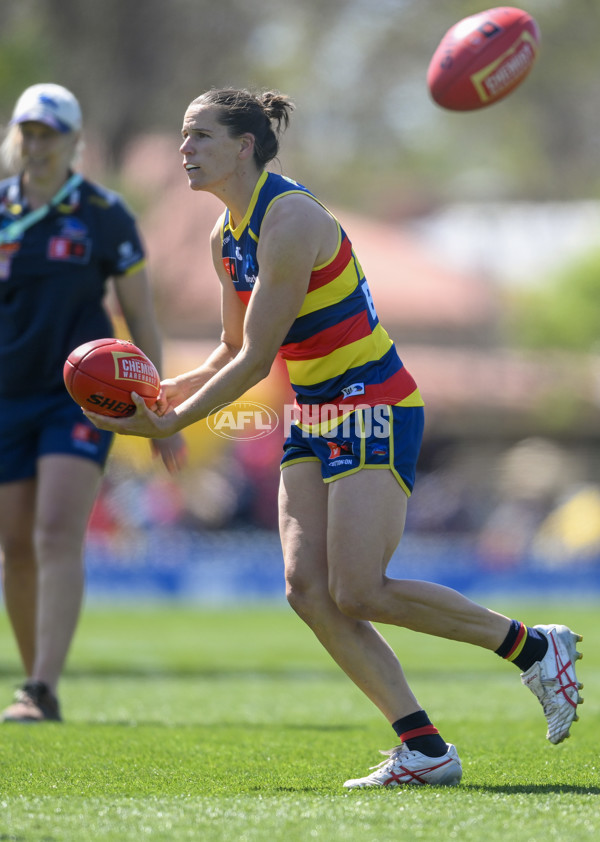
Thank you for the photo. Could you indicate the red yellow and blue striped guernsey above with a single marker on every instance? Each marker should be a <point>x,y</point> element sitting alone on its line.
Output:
<point>337,353</point>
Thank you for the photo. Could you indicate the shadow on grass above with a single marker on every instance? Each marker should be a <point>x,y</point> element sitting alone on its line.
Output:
<point>183,673</point>
<point>533,789</point>
<point>199,726</point>
<point>189,671</point>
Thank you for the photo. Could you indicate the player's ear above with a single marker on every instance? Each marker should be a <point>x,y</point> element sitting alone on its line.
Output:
<point>247,143</point>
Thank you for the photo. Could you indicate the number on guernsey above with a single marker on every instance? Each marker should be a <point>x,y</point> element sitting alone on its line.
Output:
<point>367,294</point>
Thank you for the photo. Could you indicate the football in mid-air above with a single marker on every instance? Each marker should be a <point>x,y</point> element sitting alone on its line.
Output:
<point>101,375</point>
<point>483,58</point>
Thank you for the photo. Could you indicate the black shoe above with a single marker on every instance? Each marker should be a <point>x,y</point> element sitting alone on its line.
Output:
<point>33,703</point>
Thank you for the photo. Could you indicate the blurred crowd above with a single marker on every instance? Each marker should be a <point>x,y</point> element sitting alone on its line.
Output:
<point>534,501</point>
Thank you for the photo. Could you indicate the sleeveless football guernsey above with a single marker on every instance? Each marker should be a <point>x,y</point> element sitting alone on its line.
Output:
<point>337,353</point>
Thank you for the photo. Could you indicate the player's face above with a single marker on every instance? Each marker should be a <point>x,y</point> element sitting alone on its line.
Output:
<point>210,155</point>
<point>46,153</point>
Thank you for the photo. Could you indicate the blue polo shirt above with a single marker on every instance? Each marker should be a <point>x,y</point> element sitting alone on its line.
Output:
<point>53,281</point>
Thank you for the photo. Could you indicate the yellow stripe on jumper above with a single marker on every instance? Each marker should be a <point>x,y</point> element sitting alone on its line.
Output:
<point>238,230</point>
<point>368,349</point>
<point>331,293</point>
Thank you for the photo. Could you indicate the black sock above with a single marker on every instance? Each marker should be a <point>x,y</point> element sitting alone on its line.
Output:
<point>417,732</point>
<point>523,646</point>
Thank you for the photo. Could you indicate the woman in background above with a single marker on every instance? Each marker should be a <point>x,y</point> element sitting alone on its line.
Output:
<point>61,239</point>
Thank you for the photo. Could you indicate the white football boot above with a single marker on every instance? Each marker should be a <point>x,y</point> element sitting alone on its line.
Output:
<point>554,682</point>
<point>406,767</point>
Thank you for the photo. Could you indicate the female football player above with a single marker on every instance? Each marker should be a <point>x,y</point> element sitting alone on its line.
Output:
<point>292,284</point>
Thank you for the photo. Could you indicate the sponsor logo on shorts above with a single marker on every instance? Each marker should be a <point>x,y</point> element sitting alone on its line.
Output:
<point>336,449</point>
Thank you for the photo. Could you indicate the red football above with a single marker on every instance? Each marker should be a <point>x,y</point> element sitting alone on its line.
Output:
<point>101,375</point>
<point>483,58</point>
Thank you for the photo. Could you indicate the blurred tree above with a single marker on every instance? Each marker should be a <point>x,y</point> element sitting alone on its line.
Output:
<point>137,63</point>
<point>357,72</point>
<point>22,62</point>
<point>565,313</point>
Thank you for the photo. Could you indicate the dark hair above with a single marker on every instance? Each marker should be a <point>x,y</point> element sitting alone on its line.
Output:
<point>264,115</point>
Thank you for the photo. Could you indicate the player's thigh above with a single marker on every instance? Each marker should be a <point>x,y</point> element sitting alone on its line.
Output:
<point>367,512</point>
<point>303,523</point>
<point>67,488</point>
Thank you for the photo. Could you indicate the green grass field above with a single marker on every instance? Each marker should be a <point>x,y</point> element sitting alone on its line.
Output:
<point>194,724</point>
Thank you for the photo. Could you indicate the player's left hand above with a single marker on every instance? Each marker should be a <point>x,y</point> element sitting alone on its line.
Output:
<point>173,452</point>
<point>143,422</point>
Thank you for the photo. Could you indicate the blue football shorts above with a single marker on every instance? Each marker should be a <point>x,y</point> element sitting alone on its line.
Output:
<point>38,425</point>
<point>377,437</point>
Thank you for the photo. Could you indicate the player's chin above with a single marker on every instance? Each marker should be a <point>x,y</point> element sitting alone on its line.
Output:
<point>194,183</point>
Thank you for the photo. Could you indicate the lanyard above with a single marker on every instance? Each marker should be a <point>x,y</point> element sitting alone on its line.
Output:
<point>16,229</point>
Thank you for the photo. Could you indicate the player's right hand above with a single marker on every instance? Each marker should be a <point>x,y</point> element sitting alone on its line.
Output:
<point>171,395</point>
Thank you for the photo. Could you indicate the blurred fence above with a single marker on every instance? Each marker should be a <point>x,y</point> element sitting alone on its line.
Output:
<point>247,565</point>
<point>483,517</point>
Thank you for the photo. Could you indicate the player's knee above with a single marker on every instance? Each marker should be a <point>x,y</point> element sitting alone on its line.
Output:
<point>354,602</point>
<point>303,596</point>
<point>53,541</point>
<point>17,551</point>
<point>295,587</point>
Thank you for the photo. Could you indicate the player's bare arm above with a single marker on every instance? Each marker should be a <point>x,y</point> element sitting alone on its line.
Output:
<point>135,300</point>
<point>293,241</point>
<point>178,389</point>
